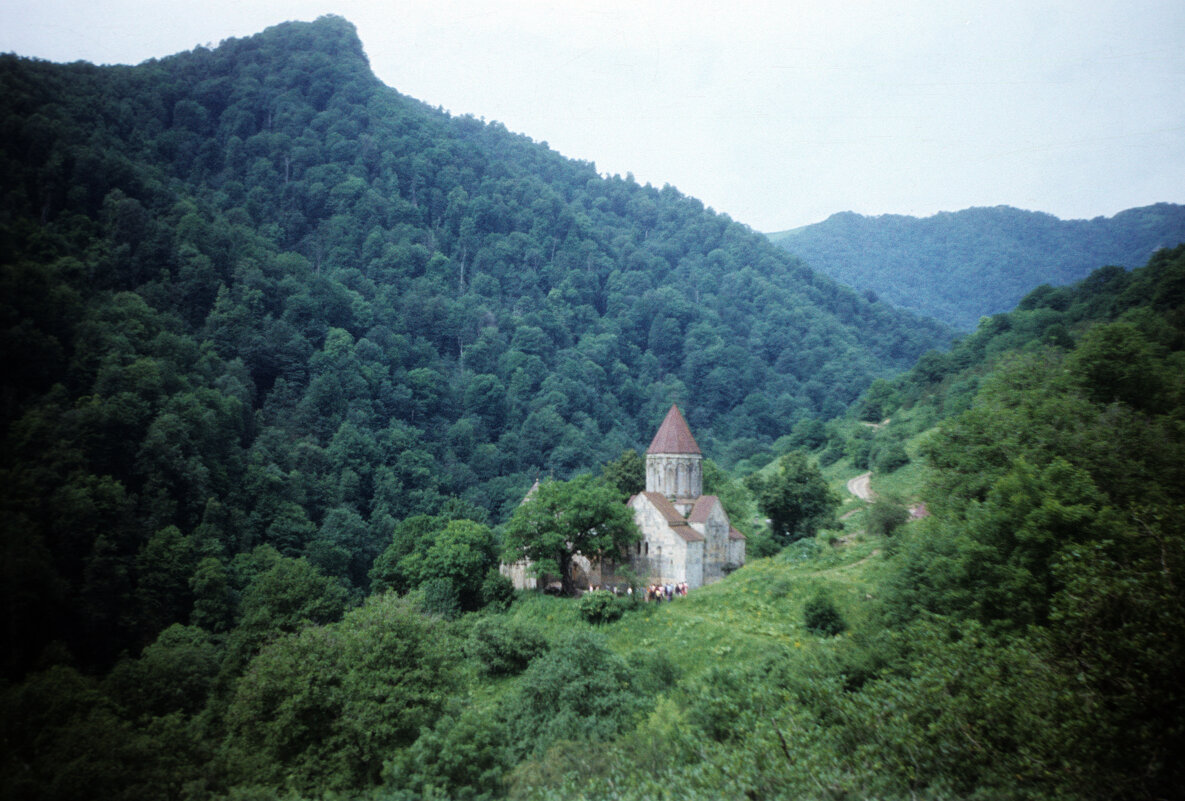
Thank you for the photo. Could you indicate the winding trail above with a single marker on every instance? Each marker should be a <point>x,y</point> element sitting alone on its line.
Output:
<point>861,487</point>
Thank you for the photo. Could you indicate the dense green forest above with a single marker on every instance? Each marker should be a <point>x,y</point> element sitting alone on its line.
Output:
<point>251,296</point>
<point>960,266</point>
<point>1024,641</point>
<point>283,349</point>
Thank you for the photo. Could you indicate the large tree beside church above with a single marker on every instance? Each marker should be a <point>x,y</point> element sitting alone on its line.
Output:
<point>563,518</point>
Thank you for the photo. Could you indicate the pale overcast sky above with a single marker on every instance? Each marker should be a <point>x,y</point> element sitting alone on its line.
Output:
<point>778,113</point>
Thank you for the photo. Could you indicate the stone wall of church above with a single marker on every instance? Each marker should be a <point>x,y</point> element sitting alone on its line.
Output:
<point>662,555</point>
<point>736,552</point>
<point>716,543</point>
<point>519,574</point>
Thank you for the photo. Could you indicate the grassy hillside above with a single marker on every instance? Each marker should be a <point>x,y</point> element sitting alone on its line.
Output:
<point>752,614</point>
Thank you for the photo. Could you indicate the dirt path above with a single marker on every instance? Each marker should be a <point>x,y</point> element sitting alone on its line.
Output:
<point>861,487</point>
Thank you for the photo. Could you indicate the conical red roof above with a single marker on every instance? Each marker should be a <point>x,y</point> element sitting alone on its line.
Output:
<point>673,435</point>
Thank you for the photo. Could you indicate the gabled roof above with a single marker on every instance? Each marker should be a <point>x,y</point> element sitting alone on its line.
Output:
<point>673,435</point>
<point>704,505</point>
<point>666,508</point>
<point>672,517</point>
<point>733,534</point>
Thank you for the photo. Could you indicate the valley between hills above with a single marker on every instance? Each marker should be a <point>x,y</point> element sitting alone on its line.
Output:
<point>285,350</point>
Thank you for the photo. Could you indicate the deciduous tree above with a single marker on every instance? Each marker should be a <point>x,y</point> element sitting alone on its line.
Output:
<point>796,499</point>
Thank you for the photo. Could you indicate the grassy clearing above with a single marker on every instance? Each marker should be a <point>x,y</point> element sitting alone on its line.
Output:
<point>903,485</point>
<point>757,609</point>
<point>851,509</point>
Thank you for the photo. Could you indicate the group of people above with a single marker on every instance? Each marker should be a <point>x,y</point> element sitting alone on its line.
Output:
<point>654,592</point>
<point>666,592</point>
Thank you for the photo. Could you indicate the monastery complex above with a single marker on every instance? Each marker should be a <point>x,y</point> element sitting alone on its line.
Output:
<point>686,535</point>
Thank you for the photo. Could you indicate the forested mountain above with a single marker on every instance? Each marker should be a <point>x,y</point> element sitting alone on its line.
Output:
<point>1144,309</point>
<point>960,266</point>
<point>280,346</point>
<point>251,296</point>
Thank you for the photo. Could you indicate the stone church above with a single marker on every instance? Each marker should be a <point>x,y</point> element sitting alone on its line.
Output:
<point>686,535</point>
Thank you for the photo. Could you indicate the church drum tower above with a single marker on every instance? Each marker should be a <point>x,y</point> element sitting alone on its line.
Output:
<point>674,463</point>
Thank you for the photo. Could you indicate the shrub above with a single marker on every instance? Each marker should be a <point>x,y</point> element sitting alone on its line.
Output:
<point>890,457</point>
<point>830,455</point>
<point>800,551</point>
<point>358,690</point>
<point>440,598</point>
<point>579,690</point>
<point>600,607</point>
<point>461,757</point>
<point>654,671</point>
<point>809,434</point>
<point>822,618</point>
<point>504,648</point>
<point>859,452</point>
<point>885,517</point>
<point>762,544</point>
<point>497,591</point>
<point>724,701</point>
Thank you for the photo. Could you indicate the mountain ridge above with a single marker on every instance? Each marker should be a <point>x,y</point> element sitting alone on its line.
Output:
<point>962,265</point>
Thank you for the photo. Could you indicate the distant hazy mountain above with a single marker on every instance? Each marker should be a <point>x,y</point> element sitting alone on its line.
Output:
<point>959,266</point>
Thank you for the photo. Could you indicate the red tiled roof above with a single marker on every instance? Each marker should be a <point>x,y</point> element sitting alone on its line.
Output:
<point>672,517</point>
<point>704,505</point>
<point>673,435</point>
<point>733,534</point>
